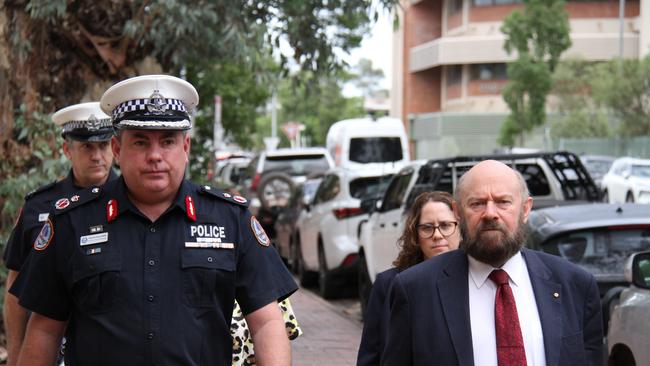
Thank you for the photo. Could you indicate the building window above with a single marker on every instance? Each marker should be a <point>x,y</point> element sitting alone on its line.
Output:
<point>454,6</point>
<point>454,74</point>
<point>486,72</point>
<point>496,2</point>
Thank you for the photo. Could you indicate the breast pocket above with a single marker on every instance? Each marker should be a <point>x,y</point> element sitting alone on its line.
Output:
<point>96,282</point>
<point>205,271</point>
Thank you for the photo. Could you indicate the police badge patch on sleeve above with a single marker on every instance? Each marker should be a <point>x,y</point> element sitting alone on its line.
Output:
<point>44,236</point>
<point>260,235</point>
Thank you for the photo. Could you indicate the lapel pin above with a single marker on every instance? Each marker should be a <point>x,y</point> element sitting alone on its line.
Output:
<point>556,295</point>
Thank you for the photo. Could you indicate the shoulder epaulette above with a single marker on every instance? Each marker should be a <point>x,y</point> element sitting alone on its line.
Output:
<point>40,189</point>
<point>65,204</point>
<point>223,195</point>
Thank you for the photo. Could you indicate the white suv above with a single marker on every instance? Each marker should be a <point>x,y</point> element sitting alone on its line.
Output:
<point>628,180</point>
<point>327,227</point>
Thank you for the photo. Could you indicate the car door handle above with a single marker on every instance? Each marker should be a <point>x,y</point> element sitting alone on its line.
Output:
<point>394,224</point>
<point>382,225</point>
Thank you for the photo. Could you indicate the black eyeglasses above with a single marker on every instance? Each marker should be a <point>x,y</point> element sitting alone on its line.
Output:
<point>446,228</point>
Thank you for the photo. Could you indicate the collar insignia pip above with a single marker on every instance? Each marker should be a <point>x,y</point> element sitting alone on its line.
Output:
<point>62,203</point>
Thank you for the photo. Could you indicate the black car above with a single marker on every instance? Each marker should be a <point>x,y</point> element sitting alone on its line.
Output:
<point>598,237</point>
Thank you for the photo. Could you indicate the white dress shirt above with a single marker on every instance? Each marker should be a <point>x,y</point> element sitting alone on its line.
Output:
<point>482,292</point>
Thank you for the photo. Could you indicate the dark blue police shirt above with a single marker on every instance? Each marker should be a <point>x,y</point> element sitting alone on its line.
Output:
<point>143,293</point>
<point>35,211</point>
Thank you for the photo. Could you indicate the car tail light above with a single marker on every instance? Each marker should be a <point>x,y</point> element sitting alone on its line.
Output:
<point>256,181</point>
<point>349,260</point>
<point>345,212</point>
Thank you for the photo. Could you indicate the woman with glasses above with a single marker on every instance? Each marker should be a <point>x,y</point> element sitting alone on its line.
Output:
<point>431,228</point>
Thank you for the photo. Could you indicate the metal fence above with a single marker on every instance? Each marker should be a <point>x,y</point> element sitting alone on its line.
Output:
<point>636,147</point>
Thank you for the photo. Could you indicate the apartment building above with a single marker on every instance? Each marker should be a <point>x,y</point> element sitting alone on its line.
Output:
<point>449,66</point>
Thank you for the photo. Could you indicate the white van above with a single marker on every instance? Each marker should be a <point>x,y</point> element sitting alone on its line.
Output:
<point>360,142</point>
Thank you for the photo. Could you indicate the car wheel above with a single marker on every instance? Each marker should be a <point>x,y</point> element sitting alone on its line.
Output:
<point>325,281</point>
<point>365,285</point>
<point>275,190</point>
<point>621,356</point>
<point>629,198</point>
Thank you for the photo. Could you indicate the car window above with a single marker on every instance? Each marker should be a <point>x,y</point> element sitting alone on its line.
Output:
<point>297,164</point>
<point>328,189</point>
<point>641,171</point>
<point>375,149</point>
<point>395,192</point>
<point>601,251</point>
<point>368,187</point>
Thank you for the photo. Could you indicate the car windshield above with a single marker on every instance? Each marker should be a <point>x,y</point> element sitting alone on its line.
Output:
<point>297,164</point>
<point>601,251</point>
<point>375,149</point>
<point>368,187</point>
<point>641,171</point>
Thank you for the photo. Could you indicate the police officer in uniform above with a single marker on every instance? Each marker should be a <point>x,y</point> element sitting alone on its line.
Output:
<point>146,269</point>
<point>87,132</point>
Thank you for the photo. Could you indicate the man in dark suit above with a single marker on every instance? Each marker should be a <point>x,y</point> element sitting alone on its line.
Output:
<point>450,310</point>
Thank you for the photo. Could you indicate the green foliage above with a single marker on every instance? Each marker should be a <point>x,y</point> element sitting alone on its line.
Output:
<point>31,162</point>
<point>242,93</point>
<point>539,35</point>
<point>316,102</point>
<point>580,116</point>
<point>623,86</point>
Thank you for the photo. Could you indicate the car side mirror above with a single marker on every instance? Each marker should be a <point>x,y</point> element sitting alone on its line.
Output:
<point>637,270</point>
<point>626,174</point>
<point>368,205</point>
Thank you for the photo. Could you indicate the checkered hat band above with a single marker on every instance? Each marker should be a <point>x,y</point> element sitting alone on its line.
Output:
<point>87,125</point>
<point>141,105</point>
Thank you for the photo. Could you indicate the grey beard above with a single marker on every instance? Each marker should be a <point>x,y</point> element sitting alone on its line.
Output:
<point>492,251</point>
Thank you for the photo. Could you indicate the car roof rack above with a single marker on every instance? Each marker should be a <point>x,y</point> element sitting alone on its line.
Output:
<point>575,181</point>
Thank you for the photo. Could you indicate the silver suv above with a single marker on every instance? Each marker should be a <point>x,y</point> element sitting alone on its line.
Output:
<point>272,176</point>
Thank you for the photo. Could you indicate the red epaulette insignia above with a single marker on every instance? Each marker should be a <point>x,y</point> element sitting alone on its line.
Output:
<point>111,210</point>
<point>189,208</point>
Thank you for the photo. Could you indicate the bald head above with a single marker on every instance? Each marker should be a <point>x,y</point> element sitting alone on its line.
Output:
<point>490,170</point>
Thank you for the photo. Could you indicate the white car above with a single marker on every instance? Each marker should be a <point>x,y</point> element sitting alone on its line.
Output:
<point>628,180</point>
<point>628,337</point>
<point>327,228</point>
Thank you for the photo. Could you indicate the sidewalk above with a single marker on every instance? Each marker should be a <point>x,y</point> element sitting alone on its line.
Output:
<point>329,337</point>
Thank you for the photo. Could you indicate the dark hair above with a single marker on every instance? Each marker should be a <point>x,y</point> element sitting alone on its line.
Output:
<point>410,253</point>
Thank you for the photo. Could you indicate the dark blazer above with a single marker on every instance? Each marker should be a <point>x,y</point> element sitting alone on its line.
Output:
<point>375,320</point>
<point>429,312</point>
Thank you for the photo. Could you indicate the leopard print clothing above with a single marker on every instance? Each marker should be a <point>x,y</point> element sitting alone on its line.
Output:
<point>242,343</point>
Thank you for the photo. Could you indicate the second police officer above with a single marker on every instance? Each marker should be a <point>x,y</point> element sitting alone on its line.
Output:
<point>146,270</point>
<point>86,131</point>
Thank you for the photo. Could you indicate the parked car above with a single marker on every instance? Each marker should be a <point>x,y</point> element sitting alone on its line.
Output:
<point>380,144</point>
<point>597,166</point>
<point>628,180</point>
<point>231,172</point>
<point>285,224</point>
<point>628,338</point>
<point>552,178</point>
<point>272,176</point>
<point>597,237</point>
<point>327,227</point>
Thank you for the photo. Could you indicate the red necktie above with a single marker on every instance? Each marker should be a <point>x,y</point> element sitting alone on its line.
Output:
<point>510,343</point>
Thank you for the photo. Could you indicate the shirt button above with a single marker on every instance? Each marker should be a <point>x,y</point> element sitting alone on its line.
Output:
<point>153,229</point>
<point>152,262</point>
<point>150,335</point>
<point>150,298</point>
<point>210,259</point>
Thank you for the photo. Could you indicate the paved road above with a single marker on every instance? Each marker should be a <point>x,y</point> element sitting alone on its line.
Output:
<point>332,330</point>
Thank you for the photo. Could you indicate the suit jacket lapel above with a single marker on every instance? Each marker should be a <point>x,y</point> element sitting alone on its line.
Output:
<point>454,295</point>
<point>548,305</point>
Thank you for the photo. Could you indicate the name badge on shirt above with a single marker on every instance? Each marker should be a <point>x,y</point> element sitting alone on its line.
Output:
<point>208,236</point>
<point>93,239</point>
<point>42,217</point>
